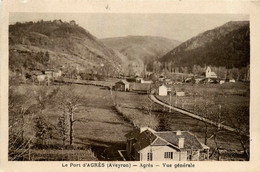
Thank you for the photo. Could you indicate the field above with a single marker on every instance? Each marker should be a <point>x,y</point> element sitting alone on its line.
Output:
<point>103,126</point>
<point>227,97</point>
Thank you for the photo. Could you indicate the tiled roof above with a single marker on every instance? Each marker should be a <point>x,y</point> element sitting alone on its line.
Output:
<point>123,82</point>
<point>168,138</point>
<point>190,141</point>
<point>160,142</point>
<point>141,87</point>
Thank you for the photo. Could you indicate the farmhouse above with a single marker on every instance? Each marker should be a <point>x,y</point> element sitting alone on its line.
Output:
<point>148,145</point>
<point>221,81</point>
<point>180,93</point>
<point>56,73</point>
<point>210,74</point>
<point>163,90</point>
<point>146,81</point>
<point>52,73</point>
<point>41,78</point>
<point>140,88</point>
<point>122,85</point>
<point>232,80</point>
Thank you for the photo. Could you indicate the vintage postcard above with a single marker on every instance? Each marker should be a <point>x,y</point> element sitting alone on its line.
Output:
<point>129,85</point>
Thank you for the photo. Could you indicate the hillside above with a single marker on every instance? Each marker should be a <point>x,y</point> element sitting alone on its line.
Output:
<point>43,44</point>
<point>141,49</point>
<point>227,45</point>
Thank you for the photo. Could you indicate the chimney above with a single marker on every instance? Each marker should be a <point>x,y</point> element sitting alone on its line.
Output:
<point>178,132</point>
<point>181,142</point>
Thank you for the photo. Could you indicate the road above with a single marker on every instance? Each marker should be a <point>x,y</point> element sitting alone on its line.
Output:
<point>154,99</point>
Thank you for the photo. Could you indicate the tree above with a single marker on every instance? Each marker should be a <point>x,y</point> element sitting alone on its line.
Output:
<point>70,103</point>
<point>19,106</point>
<point>216,130</point>
<point>63,127</point>
<point>43,130</point>
<point>238,117</point>
<point>204,110</point>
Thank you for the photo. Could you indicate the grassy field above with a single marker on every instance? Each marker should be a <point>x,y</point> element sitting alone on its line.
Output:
<point>230,96</point>
<point>104,126</point>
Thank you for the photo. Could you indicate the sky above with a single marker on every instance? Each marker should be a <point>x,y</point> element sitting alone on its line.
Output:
<point>179,27</point>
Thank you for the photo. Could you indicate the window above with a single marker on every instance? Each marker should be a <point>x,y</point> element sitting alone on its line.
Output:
<point>168,155</point>
<point>149,156</point>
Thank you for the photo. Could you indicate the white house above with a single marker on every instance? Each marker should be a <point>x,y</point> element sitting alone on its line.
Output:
<point>180,93</point>
<point>41,78</point>
<point>210,74</point>
<point>148,145</point>
<point>163,90</point>
<point>146,81</point>
<point>232,80</point>
<point>221,82</point>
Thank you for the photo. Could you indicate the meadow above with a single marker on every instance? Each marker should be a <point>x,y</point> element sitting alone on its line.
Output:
<point>108,115</point>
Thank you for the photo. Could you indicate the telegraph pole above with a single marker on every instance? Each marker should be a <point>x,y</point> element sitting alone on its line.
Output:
<point>170,101</point>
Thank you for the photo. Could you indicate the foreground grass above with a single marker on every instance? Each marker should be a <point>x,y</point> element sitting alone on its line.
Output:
<point>103,126</point>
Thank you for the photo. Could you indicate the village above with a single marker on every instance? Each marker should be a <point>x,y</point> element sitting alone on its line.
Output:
<point>76,97</point>
<point>144,143</point>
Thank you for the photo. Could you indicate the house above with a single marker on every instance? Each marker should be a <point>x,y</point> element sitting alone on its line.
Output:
<point>163,90</point>
<point>140,88</point>
<point>210,74</point>
<point>138,79</point>
<point>180,93</point>
<point>221,81</point>
<point>232,80</point>
<point>41,78</point>
<point>168,81</point>
<point>56,73</point>
<point>161,78</point>
<point>149,145</point>
<point>73,22</point>
<point>212,80</point>
<point>122,85</point>
<point>49,73</point>
<point>198,80</point>
<point>169,89</point>
<point>53,73</point>
<point>146,81</point>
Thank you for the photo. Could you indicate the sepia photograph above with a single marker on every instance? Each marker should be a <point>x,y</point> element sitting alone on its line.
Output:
<point>128,87</point>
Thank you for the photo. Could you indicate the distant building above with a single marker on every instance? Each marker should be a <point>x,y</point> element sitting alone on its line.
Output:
<point>72,22</point>
<point>41,78</point>
<point>57,73</point>
<point>49,73</point>
<point>149,145</point>
<point>180,93</point>
<point>122,85</point>
<point>53,73</point>
<point>221,81</point>
<point>163,90</point>
<point>161,78</point>
<point>140,88</point>
<point>232,80</point>
<point>210,74</point>
<point>168,81</point>
<point>198,80</point>
<point>138,79</point>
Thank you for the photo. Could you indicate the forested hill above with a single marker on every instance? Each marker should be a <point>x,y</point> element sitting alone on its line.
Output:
<point>227,45</point>
<point>38,45</point>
